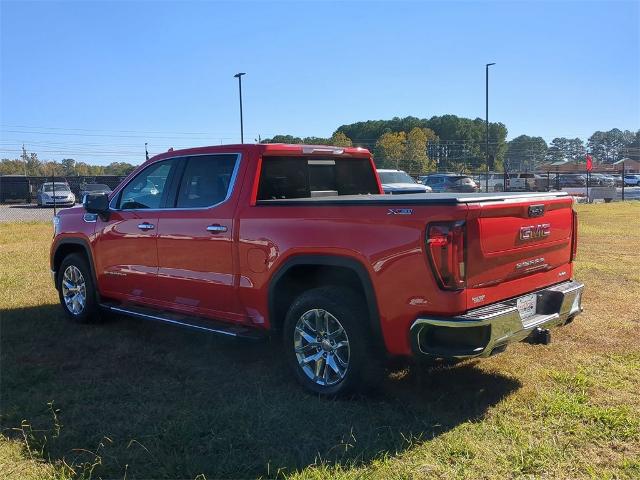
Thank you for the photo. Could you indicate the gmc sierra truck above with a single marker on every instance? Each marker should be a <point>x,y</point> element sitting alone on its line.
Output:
<point>299,241</point>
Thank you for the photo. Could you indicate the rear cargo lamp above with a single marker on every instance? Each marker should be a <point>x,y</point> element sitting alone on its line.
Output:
<point>446,251</point>
<point>574,235</point>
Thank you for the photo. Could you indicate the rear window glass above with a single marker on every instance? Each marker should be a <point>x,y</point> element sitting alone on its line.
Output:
<point>304,177</point>
<point>434,180</point>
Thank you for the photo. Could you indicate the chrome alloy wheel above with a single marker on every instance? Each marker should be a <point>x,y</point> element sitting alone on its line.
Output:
<point>74,290</point>
<point>322,347</point>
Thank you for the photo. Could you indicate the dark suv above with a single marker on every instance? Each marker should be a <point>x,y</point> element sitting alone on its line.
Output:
<point>447,182</point>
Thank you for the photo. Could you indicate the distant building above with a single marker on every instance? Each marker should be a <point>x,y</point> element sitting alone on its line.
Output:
<point>574,166</point>
<point>630,165</point>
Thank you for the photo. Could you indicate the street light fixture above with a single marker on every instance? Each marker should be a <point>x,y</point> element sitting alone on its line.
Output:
<point>239,77</point>
<point>486,152</point>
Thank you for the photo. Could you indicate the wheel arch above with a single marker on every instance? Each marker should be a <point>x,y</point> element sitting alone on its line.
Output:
<point>65,247</point>
<point>302,272</point>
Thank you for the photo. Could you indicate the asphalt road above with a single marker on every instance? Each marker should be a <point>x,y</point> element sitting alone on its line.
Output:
<point>25,213</point>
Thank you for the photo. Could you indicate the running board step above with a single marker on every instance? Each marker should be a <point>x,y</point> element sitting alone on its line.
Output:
<point>177,319</point>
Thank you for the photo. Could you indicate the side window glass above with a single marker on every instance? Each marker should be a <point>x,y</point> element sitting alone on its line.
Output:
<point>206,180</point>
<point>147,188</point>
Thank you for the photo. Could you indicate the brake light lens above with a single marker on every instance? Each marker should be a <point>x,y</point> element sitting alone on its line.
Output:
<point>574,235</point>
<point>446,251</point>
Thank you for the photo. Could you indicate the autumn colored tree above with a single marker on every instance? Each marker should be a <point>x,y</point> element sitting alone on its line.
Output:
<point>416,159</point>
<point>339,139</point>
<point>390,149</point>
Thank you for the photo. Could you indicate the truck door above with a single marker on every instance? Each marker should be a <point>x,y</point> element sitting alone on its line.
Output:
<point>126,259</point>
<point>195,239</point>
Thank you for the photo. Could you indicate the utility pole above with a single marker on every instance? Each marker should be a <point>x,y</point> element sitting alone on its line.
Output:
<point>24,159</point>
<point>239,77</point>
<point>486,185</point>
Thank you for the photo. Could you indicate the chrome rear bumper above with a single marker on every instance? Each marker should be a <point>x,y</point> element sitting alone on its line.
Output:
<point>489,329</point>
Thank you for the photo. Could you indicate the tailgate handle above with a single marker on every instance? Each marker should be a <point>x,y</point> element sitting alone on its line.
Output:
<point>536,210</point>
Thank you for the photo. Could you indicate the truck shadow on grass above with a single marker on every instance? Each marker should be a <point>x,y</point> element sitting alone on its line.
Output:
<point>166,402</point>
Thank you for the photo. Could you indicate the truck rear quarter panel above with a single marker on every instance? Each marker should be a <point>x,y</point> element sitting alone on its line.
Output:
<point>390,247</point>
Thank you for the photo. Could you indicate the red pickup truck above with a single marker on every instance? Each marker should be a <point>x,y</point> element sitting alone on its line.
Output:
<point>300,241</point>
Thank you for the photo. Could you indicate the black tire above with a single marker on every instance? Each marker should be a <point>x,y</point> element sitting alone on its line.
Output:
<point>90,313</point>
<point>350,311</point>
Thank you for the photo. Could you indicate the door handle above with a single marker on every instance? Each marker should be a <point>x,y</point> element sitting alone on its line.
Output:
<point>216,228</point>
<point>146,226</point>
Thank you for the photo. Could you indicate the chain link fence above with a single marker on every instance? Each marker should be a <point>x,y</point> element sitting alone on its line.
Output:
<point>19,195</point>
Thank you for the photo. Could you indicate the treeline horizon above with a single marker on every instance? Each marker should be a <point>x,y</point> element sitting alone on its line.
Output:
<point>416,145</point>
<point>449,142</point>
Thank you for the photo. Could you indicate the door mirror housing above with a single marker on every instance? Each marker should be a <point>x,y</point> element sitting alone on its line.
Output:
<point>97,203</point>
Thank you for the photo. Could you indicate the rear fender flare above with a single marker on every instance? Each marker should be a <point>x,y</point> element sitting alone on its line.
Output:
<point>336,261</point>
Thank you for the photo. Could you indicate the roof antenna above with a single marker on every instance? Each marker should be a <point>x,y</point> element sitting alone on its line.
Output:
<point>146,152</point>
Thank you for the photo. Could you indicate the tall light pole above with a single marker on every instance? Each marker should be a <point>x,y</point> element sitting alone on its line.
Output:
<point>239,77</point>
<point>486,152</point>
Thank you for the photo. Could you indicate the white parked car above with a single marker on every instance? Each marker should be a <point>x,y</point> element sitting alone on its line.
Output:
<point>58,194</point>
<point>632,180</point>
<point>397,182</point>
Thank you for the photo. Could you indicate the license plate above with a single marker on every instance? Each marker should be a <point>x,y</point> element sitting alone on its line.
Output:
<point>527,305</point>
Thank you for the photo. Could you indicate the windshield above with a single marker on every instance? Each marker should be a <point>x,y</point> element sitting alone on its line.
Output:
<point>459,178</point>
<point>60,187</point>
<point>95,187</point>
<point>395,177</point>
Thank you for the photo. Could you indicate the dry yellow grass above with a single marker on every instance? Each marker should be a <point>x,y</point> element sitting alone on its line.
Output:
<point>175,404</point>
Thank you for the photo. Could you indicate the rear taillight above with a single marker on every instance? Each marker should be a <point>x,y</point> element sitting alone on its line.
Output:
<point>446,251</point>
<point>574,234</point>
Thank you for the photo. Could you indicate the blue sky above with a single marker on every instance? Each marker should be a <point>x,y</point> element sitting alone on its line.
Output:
<point>95,80</point>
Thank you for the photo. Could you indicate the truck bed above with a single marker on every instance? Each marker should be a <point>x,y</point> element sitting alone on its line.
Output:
<point>415,199</point>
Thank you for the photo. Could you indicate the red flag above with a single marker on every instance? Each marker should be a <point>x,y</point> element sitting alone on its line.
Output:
<point>589,163</point>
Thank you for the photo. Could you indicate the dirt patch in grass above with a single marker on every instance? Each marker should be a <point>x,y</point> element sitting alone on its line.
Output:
<point>147,401</point>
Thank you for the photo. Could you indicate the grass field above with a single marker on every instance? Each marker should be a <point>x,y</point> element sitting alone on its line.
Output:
<point>127,399</point>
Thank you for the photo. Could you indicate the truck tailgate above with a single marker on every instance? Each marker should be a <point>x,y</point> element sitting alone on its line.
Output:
<point>512,239</point>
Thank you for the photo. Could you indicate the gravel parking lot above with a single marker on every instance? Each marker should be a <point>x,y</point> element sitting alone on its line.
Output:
<point>25,213</point>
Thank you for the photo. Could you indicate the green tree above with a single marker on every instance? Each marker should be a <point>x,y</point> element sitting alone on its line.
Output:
<point>50,168</point>
<point>566,149</point>
<point>31,164</point>
<point>633,149</point>
<point>315,141</point>
<point>416,159</point>
<point>119,169</point>
<point>339,139</point>
<point>611,146</point>
<point>283,139</point>
<point>390,149</point>
<point>459,140</point>
<point>12,167</point>
<point>525,153</point>
<point>68,166</point>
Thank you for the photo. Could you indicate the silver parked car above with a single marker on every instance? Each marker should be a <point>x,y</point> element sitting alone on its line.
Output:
<point>397,182</point>
<point>58,193</point>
